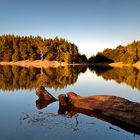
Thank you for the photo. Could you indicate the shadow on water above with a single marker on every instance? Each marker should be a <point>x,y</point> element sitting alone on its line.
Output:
<point>99,69</point>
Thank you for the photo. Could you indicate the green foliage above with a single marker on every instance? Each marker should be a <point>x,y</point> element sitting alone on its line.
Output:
<point>16,48</point>
<point>128,54</point>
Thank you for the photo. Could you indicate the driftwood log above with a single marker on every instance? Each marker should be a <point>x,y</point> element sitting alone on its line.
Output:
<point>112,109</point>
<point>45,98</point>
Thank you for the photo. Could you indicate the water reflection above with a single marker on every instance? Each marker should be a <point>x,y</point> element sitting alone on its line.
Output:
<point>14,78</point>
<point>99,69</point>
<point>72,111</point>
<point>127,75</point>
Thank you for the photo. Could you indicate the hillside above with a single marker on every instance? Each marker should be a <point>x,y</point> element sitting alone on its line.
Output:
<point>129,54</point>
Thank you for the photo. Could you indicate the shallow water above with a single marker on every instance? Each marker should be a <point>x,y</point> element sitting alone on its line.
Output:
<point>21,118</point>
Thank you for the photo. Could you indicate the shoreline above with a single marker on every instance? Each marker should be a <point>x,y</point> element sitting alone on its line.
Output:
<point>36,63</point>
<point>118,65</point>
<point>40,64</point>
<point>55,64</point>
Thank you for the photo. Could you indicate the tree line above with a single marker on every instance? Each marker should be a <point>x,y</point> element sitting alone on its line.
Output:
<point>126,54</point>
<point>16,48</point>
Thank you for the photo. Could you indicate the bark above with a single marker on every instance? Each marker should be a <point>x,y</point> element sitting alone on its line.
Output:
<point>110,106</point>
<point>115,110</point>
<point>45,98</point>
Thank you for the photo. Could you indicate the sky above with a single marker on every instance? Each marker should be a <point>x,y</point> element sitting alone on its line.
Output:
<point>92,25</point>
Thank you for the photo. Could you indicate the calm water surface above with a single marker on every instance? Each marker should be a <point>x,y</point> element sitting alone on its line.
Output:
<point>22,118</point>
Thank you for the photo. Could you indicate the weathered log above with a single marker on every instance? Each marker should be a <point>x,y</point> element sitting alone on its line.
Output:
<point>42,93</point>
<point>40,103</point>
<point>63,104</point>
<point>45,98</point>
<point>72,111</point>
<point>111,106</point>
<point>115,110</point>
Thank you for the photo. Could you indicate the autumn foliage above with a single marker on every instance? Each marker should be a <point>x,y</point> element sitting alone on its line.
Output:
<point>16,48</point>
<point>126,54</point>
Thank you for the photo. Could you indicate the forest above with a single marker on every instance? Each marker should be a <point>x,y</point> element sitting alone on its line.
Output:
<point>129,54</point>
<point>16,48</point>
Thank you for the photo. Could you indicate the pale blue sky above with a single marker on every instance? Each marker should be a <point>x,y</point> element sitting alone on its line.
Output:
<point>91,24</point>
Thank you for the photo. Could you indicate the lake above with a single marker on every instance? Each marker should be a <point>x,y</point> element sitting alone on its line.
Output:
<point>24,116</point>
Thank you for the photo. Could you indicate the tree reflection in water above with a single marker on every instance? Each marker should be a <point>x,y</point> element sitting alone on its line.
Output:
<point>14,77</point>
<point>128,75</point>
